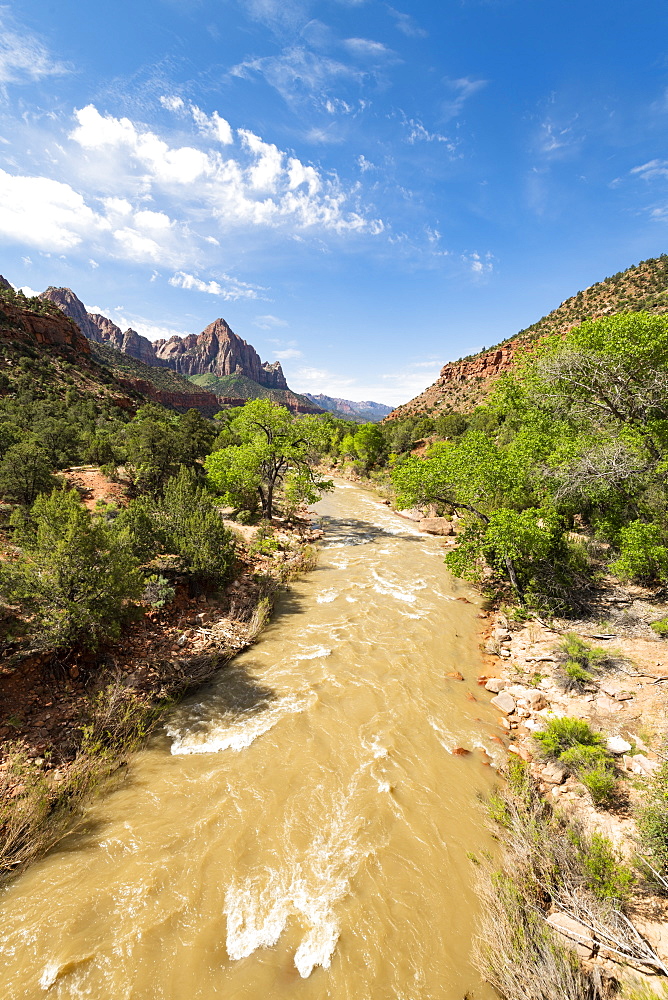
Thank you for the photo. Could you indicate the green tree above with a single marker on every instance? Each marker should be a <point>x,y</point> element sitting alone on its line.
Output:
<point>274,445</point>
<point>74,575</point>
<point>370,445</point>
<point>190,525</point>
<point>25,472</point>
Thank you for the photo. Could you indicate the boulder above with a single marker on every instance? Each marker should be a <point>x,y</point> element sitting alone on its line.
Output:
<point>617,745</point>
<point>495,685</point>
<point>436,526</point>
<point>553,773</point>
<point>504,702</point>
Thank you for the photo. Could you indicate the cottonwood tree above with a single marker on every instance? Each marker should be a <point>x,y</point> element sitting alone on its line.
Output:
<point>274,446</point>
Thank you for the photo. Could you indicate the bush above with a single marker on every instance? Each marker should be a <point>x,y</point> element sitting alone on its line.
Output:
<point>652,822</point>
<point>191,527</point>
<point>643,556</point>
<point>660,627</point>
<point>577,675</point>
<point>75,575</point>
<point>158,591</point>
<point>562,734</point>
<point>575,745</point>
<point>605,872</point>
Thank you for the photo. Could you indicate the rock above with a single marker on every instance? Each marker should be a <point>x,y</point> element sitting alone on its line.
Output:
<point>553,773</point>
<point>412,513</point>
<point>495,685</point>
<point>623,695</point>
<point>536,700</point>
<point>639,764</point>
<point>74,672</point>
<point>504,702</point>
<point>518,691</point>
<point>455,674</point>
<point>436,526</point>
<point>617,745</point>
<point>491,648</point>
<point>534,726</point>
<point>461,752</point>
<point>504,652</point>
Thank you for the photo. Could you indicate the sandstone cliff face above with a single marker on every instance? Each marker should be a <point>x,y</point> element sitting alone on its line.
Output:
<point>49,331</point>
<point>217,350</point>
<point>200,400</point>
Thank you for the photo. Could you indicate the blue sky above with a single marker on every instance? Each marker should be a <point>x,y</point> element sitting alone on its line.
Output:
<point>364,190</point>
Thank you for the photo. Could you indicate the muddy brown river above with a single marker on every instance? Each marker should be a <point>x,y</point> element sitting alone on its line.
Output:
<point>300,828</point>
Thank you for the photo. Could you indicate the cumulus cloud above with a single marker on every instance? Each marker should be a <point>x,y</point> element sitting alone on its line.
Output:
<point>45,213</point>
<point>23,57</point>
<point>259,185</point>
<point>213,125</point>
<point>231,291</point>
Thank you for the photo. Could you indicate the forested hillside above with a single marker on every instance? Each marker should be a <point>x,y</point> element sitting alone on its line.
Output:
<point>464,384</point>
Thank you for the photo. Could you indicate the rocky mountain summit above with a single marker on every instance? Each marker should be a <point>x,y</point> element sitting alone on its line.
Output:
<point>217,350</point>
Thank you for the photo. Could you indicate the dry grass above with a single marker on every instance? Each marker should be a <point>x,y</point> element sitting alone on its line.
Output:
<point>546,867</point>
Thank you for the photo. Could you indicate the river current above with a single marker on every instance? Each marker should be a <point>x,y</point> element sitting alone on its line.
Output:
<point>300,828</point>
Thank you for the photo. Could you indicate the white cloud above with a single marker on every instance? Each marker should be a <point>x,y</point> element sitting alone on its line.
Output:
<point>407,25</point>
<point>232,291</point>
<point>461,89</point>
<point>365,164</point>
<point>153,220</point>
<point>23,57</point>
<point>260,185</point>
<point>651,170</point>
<point>268,322</point>
<point>418,133</point>
<point>29,292</point>
<point>299,74</point>
<point>212,125</point>
<point>288,354</point>
<point>366,48</point>
<point>172,103</point>
<point>138,247</point>
<point>45,213</point>
<point>93,264</point>
<point>477,263</point>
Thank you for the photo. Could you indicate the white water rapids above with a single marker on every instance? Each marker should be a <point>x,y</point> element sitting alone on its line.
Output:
<point>300,828</point>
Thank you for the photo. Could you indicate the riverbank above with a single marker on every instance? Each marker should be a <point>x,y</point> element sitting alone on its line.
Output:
<point>526,673</point>
<point>71,718</point>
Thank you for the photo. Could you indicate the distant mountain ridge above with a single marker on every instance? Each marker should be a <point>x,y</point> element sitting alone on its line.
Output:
<point>462,385</point>
<point>366,410</point>
<point>215,354</point>
<point>217,349</point>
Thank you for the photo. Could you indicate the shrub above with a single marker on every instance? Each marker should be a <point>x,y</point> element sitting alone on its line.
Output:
<point>74,576</point>
<point>660,627</point>
<point>605,872</point>
<point>643,556</point>
<point>577,675</point>
<point>192,528</point>
<point>561,734</point>
<point>600,782</point>
<point>652,822</point>
<point>158,591</point>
